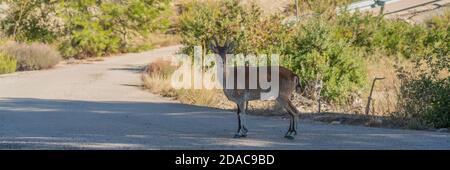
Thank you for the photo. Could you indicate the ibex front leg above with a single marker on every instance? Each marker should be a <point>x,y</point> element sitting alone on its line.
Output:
<point>293,112</point>
<point>241,113</point>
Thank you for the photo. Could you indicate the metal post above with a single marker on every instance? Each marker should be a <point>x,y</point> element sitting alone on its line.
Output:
<point>370,95</point>
<point>381,3</point>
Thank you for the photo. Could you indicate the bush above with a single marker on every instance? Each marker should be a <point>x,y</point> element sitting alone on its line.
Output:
<point>424,94</point>
<point>35,56</point>
<point>309,53</point>
<point>91,41</point>
<point>84,28</point>
<point>355,28</point>
<point>7,64</point>
<point>425,90</point>
<point>315,55</point>
<point>399,38</point>
<point>324,47</point>
<point>229,20</point>
<point>438,38</point>
<point>33,20</point>
<point>97,29</point>
<point>372,33</point>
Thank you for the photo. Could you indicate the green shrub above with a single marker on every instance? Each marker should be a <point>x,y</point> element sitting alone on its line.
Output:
<point>394,37</point>
<point>355,28</point>
<point>438,38</point>
<point>229,20</point>
<point>310,52</point>
<point>325,47</point>
<point>424,93</point>
<point>425,90</point>
<point>85,28</point>
<point>97,29</point>
<point>35,56</point>
<point>314,54</point>
<point>7,64</point>
<point>398,37</point>
<point>91,41</point>
<point>33,20</point>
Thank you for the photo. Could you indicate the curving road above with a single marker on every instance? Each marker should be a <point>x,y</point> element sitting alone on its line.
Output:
<point>101,106</point>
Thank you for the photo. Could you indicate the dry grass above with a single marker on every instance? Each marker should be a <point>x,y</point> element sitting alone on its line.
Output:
<point>384,97</point>
<point>386,92</point>
<point>163,40</point>
<point>155,81</point>
<point>34,56</point>
<point>157,77</point>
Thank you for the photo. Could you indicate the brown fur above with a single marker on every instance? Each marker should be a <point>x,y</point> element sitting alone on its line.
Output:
<point>288,83</point>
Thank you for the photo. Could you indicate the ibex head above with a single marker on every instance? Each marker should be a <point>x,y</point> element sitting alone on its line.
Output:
<point>222,51</point>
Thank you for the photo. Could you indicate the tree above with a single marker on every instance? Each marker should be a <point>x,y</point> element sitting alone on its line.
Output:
<point>131,18</point>
<point>32,20</point>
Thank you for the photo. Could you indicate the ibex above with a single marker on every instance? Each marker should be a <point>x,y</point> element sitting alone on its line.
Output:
<point>288,83</point>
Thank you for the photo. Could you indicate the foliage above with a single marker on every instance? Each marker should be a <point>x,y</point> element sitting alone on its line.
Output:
<point>35,56</point>
<point>32,20</point>
<point>438,38</point>
<point>251,32</point>
<point>395,37</point>
<point>85,28</point>
<point>400,38</point>
<point>128,19</point>
<point>89,40</point>
<point>425,90</point>
<point>308,52</point>
<point>315,55</point>
<point>99,28</point>
<point>7,64</point>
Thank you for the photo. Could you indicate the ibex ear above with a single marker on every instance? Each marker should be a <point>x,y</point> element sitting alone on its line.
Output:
<point>213,47</point>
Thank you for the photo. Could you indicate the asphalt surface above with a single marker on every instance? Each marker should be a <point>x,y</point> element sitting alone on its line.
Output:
<point>414,10</point>
<point>101,106</point>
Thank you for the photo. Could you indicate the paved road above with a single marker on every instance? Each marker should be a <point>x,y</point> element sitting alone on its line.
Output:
<point>100,106</point>
<point>414,10</point>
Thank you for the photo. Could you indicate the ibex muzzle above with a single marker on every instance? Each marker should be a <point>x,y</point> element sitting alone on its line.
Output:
<point>288,83</point>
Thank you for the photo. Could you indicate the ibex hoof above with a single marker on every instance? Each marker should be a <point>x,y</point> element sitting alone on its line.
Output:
<point>237,135</point>
<point>290,137</point>
<point>294,132</point>
<point>242,133</point>
<point>290,134</point>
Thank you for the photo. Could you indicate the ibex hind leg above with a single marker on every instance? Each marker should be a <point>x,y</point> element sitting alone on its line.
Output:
<point>242,126</point>
<point>295,115</point>
<point>292,111</point>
